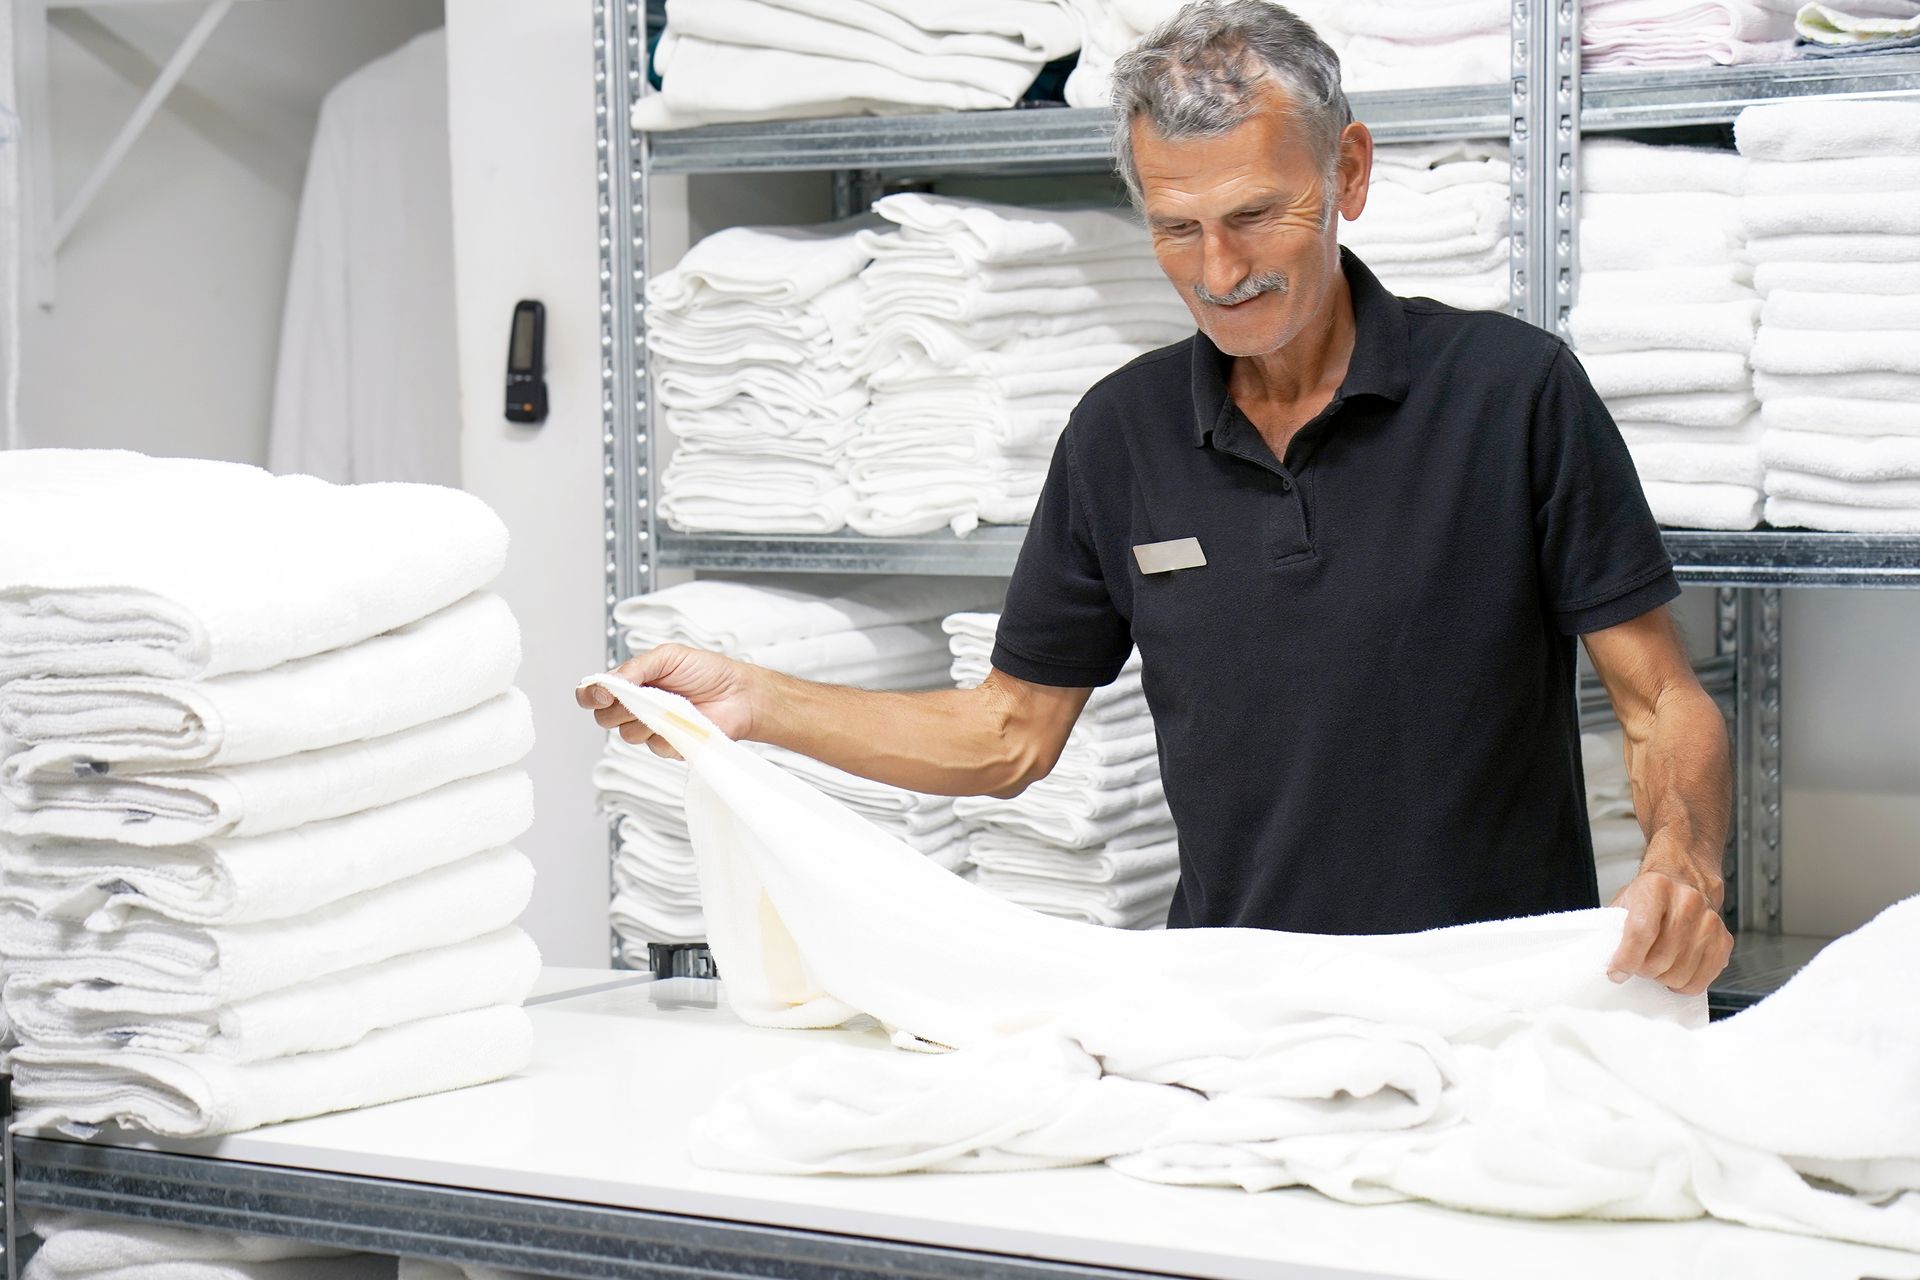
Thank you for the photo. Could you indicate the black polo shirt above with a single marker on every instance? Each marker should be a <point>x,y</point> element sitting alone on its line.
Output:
<point>1366,698</point>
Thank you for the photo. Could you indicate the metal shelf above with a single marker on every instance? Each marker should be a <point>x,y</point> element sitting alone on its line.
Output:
<point>1030,138</point>
<point>1611,100</point>
<point>1762,557</point>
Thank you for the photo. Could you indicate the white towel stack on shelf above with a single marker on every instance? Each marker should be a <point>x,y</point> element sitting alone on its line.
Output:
<point>983,324</point>
<point>259,792</point>
<point>1436,223</point>
<point>1831,209</point>
<point>751,335</point>
<point>721,60</point>
<point>876,632</point>
<point>1618,843</point>
<point>1092,841</point>
<point>1665,323</point>
<point>1621,35</point>
<point>1109,28</point>
<point>1415,44</point>
<point>80,1246</point>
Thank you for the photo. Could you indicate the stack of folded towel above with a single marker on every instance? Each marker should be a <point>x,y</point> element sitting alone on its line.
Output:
<point>1092,841</point>
<point>1831,208</point>
<point>722,60</point>
<point>750,335</point>
<point>80,1246</point>
<point>875,632</point>
<point>1414,44</point>
<point>1436,223</point>
<point>1665,324</point>
<point>1622,35</point>
<point>982,326</point>
<point>261,780</point>
<point>1618,843</point>
<point>1853,28</point>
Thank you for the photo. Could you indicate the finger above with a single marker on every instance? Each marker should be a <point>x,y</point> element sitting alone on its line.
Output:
<point>645,668</point>
<point>612,717</point>
<point>1636,939</point>
<point>1716,948</point>
<point>635,732</point>
<point>662,748</point>
<point>592,696</point>
<point>1675,947</point>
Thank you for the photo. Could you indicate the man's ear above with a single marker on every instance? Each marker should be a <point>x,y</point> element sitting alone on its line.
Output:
<point>1355,170</point>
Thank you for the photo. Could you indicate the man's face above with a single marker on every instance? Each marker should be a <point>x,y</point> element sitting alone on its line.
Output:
<point>1242,226</point>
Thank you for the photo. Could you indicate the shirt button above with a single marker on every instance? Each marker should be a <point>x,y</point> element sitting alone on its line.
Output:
<point>1286,485</point>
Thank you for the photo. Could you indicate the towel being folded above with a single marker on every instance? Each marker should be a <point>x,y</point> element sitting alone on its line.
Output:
<point>270,795</point>
<point>327,1013</point>
<point>1704,506</point>
<point>186,569</point>
<point>1862,458</point>
<point>1822,128</point>
<point>195,1095</point>
<point>455,659</point>
<point>1796,513</point>
<point>229,880</point>
<point>1699,326</point>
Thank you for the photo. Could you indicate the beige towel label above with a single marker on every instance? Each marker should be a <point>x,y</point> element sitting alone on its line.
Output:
<point>1165,557</point>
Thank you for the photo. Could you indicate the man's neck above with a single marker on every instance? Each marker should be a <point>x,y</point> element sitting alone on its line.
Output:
<point>1304,374</point>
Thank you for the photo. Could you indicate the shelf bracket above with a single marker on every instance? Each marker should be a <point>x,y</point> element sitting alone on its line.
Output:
<point>1758,852</point>
<point>1543,137</point>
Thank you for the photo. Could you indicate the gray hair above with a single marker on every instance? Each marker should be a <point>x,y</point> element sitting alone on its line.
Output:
<point>1196,75</point>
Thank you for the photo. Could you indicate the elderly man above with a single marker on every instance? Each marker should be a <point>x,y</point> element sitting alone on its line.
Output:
<point>1353,536</point>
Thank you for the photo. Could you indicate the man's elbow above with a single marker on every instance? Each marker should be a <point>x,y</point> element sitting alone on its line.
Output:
<point>1021,754</point>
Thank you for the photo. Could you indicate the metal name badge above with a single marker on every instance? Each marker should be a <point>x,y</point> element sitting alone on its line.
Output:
<point>1165,557</point>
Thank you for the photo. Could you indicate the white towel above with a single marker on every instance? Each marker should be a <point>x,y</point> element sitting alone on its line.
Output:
<point>1861,458</point>
<point>194,1095</point>
<point>1698,326</point>
<point>80,1244</point>
<point>1825,24</point>
<point>1852,278</point>
<point>776,267</point>
<point>154,578</point>
<point>736,614</point>
<point>1699,463</point>
<point>327,1013</point>
<point>1650,209</point>
<point>457,658</point>
<point>163,966</point>
<point>1370,62</point>
<point>270,795</point>
<point>1716,282</point>
<point>732,498</point>
<point>1648,373</point>
<point>1837,351</point>
<point>1704,506</point>
<point>1620,245</point>
<point>1813,177</point>
<point>1840,312</point>
<point>1615,164</point>
<point>1821,213</point>
<point>1821,128</point>
<point>1745,432</point>
<point>1833,246</point>
<point>1870,384</point>
<point>995,849</point>
<point>1839,415</point>
<point>980,231</point>
<point>228,880</point>
<point>1795,513</point>
<point>1807,486</point>
<point>1719,410</point>
<point>1134,904</point>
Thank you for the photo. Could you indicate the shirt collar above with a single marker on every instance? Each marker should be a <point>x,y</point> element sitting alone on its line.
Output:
<point>1378,367</point>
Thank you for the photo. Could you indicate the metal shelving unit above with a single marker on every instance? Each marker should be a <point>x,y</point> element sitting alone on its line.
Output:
<point>1543,111</point>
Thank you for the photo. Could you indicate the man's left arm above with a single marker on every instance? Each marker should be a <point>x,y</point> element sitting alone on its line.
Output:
<point>1680,767</point>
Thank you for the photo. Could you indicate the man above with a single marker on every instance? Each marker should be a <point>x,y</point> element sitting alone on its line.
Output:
<point>1362,677</point>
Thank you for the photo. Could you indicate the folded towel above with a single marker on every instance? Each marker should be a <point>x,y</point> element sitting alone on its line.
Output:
<point>1609,245</point>
<point>1837,351</point>
<point>1126,905</point>
<point>327,1013</point>
<point>980,231</point>
<point>1824,24</point>
<point>1003,851</point>
<point>270,795</point>
<point>83,1244</point>
<point>1869,384</point>
<point>736,614</point>
<point>1377,63</point>
<point>1651,209</point>
<point>1790,309</point>
<point>1716,282</point>
<point>1864,48</point>
<point>1861,458</point>
<point>1837,277</point>
<point>195,1095</point>
<point>1832,247</point>
<point>1643,373</point>
<point>1720,410</point>
<point>1796,513</point>
<point>1699,463</point>
<point>1807,487</point>
<point>1704,506</point>
<point>1836,415</point>
<point>230,880</point>
<point>1814,177</point>
<point>1823,213</point>
<point>1636,434</point>
<point>164,966</point>
<point>455,659</point>
<point>1490,290</point>
<point>1697,326</point>
<point>1819,128</point>
<point>1614,164</point>
<point>154,580</point>
<point>1068,829</point>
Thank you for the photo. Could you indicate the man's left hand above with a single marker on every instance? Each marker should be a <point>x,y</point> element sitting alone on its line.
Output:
<point>1673,935</point>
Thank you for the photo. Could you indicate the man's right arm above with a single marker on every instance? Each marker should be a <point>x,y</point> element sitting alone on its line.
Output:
<point>996,739</point>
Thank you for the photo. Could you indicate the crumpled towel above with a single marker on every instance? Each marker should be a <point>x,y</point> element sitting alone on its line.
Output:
<point>1489,1067</point>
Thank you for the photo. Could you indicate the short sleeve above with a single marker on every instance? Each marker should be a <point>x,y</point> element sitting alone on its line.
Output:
<point>1060,626</point>
<point>1601,558</point>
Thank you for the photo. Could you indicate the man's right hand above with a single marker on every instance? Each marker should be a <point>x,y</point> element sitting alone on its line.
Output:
<point>723,690</point>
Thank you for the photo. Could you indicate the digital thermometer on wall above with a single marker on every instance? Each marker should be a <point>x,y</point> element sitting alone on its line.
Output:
<point>527,363</point>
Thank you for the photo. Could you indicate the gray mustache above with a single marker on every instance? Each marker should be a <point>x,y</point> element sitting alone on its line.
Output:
<point>1251,287</point>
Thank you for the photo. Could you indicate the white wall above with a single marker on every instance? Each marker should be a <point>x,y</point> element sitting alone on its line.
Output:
<point>527,227</point>
<point>167,314</point>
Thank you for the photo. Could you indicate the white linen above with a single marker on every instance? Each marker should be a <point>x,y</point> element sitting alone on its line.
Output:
<point>1825,24</point>
<point>367,385</point>
<point>1840,415</point>
<point>1697,326</point>
<point>1786,512</point>
<point>1841,312</point>
<point>421,671</point>
<point>241,880</point>
<point>738,614</point>
<point>195,1095</point>
<point>1825,213</point>
<point>1699,463</point>
<point>81,1244</point>
<point>1615,164</point>
<point>1715,282</point>
<point>1807,486</point>
<point>1823,128</point>
<point>1649,373</point>
<point>1877,173</point>
<point>1722,411</point>
<point>1704,506</point>
<point>1852,278</point>
<point>1859,458</point>
<point>1444,1065</point>
<point>154,581</point>
<point>1836,351</point>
